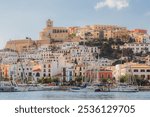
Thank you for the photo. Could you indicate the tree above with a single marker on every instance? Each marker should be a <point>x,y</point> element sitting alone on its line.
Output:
<point>104,80</point>
<point>119,42</point>
<point>124,79</point>
<point>45,80</point>
<point>78,80</point>
<point>56,80</point>
<point>106,49</point>
<point>131,40</point>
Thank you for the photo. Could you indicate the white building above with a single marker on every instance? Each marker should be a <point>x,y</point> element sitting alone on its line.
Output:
<point>68,45</point>
<point>133,69</point>
<point>137,47</point>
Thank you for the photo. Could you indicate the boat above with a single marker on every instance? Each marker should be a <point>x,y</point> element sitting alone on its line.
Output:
<point>35,87</point>
<point>40,87</point>
<point>6,86</point>
<point>85,89</point>
<point>124,88</point>
<point>47,87</point>
<point>21,87</point>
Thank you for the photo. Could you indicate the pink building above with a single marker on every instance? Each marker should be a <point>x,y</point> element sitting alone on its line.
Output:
<point>98,74</point>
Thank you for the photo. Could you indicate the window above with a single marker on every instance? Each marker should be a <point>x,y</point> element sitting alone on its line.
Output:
<point>80,74</point>
<point>142,70</point>
<point>30,73</point>
<point>75,74</point>
<point>80,69</point>
<point>136,70</point>
<point>148,70</point>
<point>70,73</point>
<point>143,76</point>
<point>37,74</point>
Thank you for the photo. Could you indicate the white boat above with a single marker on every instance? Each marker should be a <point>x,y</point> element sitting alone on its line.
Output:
<point>21,88</point>
<point>49,88</point>
<point>124,88</point>
<point>84,89</point>
<point>6,86</point>
<point>35,87</point>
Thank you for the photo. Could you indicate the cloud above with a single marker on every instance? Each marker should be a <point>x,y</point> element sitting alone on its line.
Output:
<point>117,4</point>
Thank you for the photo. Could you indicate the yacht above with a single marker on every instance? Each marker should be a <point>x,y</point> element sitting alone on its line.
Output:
<point>35,87</point>
<point>40,87</point>
<point>124,88</point>
<point>84,89</point>
<point>21,87</point>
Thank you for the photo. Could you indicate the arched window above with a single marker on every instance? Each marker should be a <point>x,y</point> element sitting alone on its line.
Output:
<point>37,74</point>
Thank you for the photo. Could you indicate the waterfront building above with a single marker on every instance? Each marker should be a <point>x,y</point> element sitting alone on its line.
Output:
<point>132,69</point>
<point>68,72</point>
<point>36,72</point>
<point>4,70</point>
<point>79,70</point>
<point>97,74</point>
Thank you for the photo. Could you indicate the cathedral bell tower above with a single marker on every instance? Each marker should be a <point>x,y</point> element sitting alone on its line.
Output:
<point>49,23</point>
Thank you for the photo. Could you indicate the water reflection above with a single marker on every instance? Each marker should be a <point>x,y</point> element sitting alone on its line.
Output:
<point>64,95</point>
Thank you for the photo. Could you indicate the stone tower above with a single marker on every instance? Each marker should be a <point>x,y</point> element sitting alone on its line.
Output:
<point>49,23</point>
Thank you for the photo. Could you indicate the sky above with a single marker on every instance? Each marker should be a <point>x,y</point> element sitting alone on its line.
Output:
<point>26,18</point>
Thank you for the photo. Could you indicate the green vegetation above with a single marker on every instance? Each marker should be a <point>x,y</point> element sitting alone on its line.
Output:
<point>108,52</point>
<point>106,80</point>
<point>123,79</point>
<point>78,80</point>
<point>48,80</point>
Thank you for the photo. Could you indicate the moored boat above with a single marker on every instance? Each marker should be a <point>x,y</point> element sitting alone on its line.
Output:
<point>6,86</point>
<point>124,88</point>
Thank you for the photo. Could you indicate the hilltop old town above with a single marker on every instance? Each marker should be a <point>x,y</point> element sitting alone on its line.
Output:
<point>69,55</point>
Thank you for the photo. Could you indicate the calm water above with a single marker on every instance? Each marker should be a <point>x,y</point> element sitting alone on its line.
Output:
<point>65,95</point>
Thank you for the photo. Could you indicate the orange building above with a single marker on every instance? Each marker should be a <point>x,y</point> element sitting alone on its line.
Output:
<point>142,31</point>
<point>4,71</point>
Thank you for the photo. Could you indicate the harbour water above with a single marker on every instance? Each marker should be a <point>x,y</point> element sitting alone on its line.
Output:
<point>66,95</point>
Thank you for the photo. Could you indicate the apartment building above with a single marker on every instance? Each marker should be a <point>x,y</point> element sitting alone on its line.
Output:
<point>137,47</point>
<point>137,70</point>
<point>98,74</point>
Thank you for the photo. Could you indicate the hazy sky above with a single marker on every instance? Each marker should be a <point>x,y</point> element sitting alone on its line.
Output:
<point>22,18</point>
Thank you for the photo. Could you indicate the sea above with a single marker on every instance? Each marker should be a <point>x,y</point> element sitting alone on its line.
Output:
<point>67,95</point>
